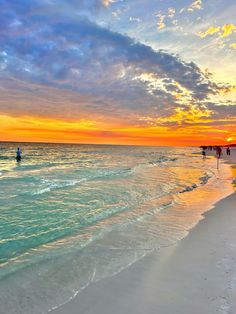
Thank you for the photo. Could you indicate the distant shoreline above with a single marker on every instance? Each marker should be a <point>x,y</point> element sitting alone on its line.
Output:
<point>109,144</point>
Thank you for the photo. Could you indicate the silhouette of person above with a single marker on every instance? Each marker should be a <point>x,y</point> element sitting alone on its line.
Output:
<point>228,151</point>
<point>203,153</point>
<point>18,154</point>
<point>218,151</point>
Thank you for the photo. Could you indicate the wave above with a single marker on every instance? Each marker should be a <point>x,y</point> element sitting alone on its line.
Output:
<point>153,163</point>
<point>205,178</point>
<point>162,159</point>
<point>37,166</point>
<point>189,188</point>
<point>111,173</point>
<point>56,185</point>
<point>7,157</point>
<point>129,170</point>
<point>103,173</point>
<point>49,185</point>
<point>202,181</point>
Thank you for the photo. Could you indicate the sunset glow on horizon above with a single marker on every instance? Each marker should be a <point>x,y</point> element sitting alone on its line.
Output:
<point>109,72</point>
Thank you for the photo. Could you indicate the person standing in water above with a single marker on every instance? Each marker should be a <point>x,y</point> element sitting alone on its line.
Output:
<point>228,151</point>
<point>203,154</point>
<point>18,154</point>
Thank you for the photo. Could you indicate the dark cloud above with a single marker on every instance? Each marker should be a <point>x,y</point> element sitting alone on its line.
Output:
<point>55,44</point>
<point>222,111</point>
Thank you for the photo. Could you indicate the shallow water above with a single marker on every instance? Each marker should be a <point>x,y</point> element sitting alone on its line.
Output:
<point>73,214</point>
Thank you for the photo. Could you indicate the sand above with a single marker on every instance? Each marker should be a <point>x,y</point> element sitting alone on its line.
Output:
<point>196,275</point>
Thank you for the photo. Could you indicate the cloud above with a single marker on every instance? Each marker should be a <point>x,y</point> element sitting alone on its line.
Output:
<point>211,30</point>
<point>171,12</point>
<point>228,29</point>
<point>62,64</point>
<point>182,115</point>
<point>220,35</point>
<point>163,18</point>
<point>135,19</point>
<point>160,23</point>
<point>106,3</point>
<point>209,115</point>
<point>71,52</point>
<point>225,112</point>
<point>196,5</point>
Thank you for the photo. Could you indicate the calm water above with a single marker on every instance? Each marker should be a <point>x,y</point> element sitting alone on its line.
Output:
<point>73,214</point>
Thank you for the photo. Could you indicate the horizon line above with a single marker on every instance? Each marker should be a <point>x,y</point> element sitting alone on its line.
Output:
<point>104,144</point>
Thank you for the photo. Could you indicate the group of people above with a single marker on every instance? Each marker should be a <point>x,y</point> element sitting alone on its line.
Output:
<point>218,150</point>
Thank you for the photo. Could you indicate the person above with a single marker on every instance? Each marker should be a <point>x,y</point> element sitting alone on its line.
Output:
<point>18,154</point>
<point>218,151</point>
<point>203,153</point>
<point>228,151</point>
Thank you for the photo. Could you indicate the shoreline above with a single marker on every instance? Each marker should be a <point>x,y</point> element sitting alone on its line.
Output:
<point>195,275</point>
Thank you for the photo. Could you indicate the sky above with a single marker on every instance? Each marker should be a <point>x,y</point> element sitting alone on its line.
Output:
<point>137,72</point>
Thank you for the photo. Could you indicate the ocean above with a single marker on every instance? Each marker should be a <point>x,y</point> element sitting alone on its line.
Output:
<point>74,214</point>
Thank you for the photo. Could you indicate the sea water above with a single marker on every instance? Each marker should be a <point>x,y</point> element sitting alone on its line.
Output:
<point>74,214</point>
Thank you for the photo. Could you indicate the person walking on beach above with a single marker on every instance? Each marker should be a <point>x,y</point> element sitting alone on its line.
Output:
<point>18,154</point>
<point>218,155</point>
<point>228,151</point>
<point>218,151</point>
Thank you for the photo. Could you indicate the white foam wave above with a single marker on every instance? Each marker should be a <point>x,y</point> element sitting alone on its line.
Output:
<point>51,185</point>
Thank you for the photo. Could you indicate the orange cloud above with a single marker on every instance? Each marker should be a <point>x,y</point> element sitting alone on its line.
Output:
<point>159,131</point>
<point>190,115</point>
<point>228,29</point>
<point>211,30</point>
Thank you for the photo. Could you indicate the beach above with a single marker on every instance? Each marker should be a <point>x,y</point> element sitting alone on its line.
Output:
<point>117,187</point>
<point>116,229</point>
<point>194,275</point>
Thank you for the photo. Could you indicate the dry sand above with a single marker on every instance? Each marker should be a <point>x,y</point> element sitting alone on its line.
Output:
<point>195,276</point>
